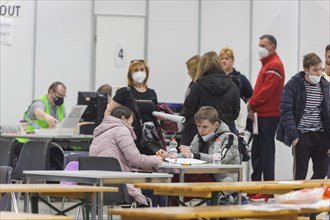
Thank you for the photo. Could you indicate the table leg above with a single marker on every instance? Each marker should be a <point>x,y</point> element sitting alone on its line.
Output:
<point>100,203</point>
<point>26,202</point>
<point>34,203</point>
<point>181,180</point>
<point>214,199</point>
<point>87,200</point>
<point>94,201</point>
<point>239,178</point>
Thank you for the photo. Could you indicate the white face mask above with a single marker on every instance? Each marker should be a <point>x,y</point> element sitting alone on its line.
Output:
<point>314,79</point>
<point>139,76</point>
<point>208,136</point>
<point>263,52</point>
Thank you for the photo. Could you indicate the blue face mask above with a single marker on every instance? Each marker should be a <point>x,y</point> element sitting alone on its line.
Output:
<point>209,136</point>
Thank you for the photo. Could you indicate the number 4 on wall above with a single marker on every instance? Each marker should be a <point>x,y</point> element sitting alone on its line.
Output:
<point>120,54</point>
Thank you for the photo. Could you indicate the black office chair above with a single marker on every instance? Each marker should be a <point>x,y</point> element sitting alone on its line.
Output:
<point>7,198</point>
<point>38,155</point>
<point>120,198</point>
<point>6,151</point>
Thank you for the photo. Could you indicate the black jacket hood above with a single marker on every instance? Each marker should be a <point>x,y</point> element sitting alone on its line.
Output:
<point>216,82</point>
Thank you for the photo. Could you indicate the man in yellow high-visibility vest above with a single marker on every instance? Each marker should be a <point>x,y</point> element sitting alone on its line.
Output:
<point>44,112</point>
<point>47,110</point>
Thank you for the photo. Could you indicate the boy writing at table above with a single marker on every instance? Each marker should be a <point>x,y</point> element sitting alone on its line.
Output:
<point>210,127</point>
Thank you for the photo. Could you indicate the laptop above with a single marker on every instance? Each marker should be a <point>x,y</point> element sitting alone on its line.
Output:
<point>73,118</point>
<point>69,125</point>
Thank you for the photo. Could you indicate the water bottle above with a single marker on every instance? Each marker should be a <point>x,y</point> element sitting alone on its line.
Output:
<point>173,152</point>
<point>217,152</point>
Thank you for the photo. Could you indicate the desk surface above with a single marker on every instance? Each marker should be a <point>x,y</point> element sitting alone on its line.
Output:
<point>94,176</point>
<point>206,189</point>
<point>30,216</point>
<point>46,136</point>
<point>202,168</point>
<point>54,188</point>
<point>204,212</point>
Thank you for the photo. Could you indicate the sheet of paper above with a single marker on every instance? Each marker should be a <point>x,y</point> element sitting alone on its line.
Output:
<point>189,161</point>
<point>255,124</point>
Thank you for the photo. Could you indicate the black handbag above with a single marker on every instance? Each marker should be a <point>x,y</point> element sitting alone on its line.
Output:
<point>151,135</point>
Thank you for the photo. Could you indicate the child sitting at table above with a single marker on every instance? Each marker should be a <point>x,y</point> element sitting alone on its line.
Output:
<point>114,137</point>
<point>209,128</point>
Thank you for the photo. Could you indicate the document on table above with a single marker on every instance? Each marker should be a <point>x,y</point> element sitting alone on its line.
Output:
<point>186,161</point>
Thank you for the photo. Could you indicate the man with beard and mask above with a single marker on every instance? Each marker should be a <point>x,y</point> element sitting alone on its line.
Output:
<point>265,102</point>
<point>305,118</point>
<point>47,110</point>
<point>210,128</point>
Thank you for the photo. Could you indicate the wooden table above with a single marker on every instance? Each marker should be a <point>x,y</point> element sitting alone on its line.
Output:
<point>203,168</point>
<point>31,216</point>
<point>212,189</point>
<point>234,211</point>
<point>96,177</point>
<point>87,193</point>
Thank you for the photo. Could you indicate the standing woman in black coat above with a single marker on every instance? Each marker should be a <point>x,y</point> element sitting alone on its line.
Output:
<point>211,87</point>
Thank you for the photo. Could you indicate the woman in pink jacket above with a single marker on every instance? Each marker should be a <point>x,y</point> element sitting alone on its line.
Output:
<point>114,137</point>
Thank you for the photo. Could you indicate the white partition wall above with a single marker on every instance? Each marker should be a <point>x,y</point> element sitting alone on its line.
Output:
<point>63,48</point>
<point>119,40</point>
<point>120,34</point>
<point>314,28</point>
<point>16,64</point>
<point>227,24</point>
<point>172,39</point>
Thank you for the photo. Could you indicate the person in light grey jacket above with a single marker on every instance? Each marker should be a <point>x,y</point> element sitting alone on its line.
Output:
<point>209,128</point>
<point>114,137</point>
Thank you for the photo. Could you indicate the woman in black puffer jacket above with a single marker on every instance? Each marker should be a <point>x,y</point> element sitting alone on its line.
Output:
<point>211,87</point>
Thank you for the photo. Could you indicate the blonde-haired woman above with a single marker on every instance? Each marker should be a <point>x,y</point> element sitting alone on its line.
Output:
<point>227,59</point>
<point>192,65</point>
<point>211,87</point>
<point>138,97</point>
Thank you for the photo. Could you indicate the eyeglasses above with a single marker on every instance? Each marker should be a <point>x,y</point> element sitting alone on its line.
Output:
<point>133,61</point>
<point>58,94</point>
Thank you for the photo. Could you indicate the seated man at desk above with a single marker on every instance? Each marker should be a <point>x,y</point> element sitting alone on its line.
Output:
<point>47,110</point>
<point>210,127</point>
<point>44,112</point>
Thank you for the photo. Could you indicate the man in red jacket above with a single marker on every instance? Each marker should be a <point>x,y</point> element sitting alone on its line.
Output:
<point>265,102</point>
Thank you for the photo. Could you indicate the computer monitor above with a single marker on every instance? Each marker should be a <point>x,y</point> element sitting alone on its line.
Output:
<point>96,105</point>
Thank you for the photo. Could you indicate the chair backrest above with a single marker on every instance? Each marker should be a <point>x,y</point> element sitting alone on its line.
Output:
<point>35,155</point>
<point>5,177</point>
<point>107,164</point>
<point>6,151</point>
<point>73,156</point>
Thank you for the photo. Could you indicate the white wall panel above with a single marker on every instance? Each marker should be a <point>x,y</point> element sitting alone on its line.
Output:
<point>120,7</point>
<point>63,49</point>
<point>17,66</point>
<point>173,39</point>
<point>227,24</point>
<point>128,33</point>
<point>315,28</point>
